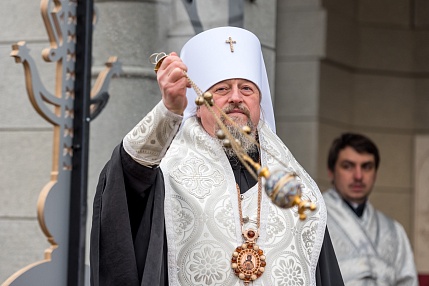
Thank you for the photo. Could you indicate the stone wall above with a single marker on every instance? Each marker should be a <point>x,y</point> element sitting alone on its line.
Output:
<point>358,66</point>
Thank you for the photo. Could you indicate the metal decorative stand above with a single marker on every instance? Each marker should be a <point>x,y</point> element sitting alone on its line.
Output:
<point>61,207</point>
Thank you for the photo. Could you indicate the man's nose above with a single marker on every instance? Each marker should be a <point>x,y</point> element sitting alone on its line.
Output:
<point>235,95</point>
<point>358,173</point>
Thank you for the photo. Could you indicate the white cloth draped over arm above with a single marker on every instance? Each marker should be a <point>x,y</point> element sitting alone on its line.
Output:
<point>406,273</point>
<point>149,140</point>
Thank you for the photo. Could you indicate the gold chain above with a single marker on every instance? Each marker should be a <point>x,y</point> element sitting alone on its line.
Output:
<point>258,217</point>
<point>197,90</point>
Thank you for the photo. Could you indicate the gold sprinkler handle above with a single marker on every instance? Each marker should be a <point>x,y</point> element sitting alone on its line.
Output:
<point>156,59</point>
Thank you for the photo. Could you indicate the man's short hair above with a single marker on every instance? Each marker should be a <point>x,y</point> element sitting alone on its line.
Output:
<point>358,142</point>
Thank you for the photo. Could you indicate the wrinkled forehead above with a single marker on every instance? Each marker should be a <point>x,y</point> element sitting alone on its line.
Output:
<point>232,81</point>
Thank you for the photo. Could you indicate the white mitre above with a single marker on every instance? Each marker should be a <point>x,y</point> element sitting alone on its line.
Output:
<point>211,58</point>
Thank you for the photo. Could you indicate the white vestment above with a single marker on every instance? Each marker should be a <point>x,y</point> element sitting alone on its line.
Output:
<point>201,206</point>
<point>371,250</point>
<point>203,225</point>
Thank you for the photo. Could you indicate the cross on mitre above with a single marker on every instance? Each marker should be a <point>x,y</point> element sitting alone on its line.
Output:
<point>230,41</point>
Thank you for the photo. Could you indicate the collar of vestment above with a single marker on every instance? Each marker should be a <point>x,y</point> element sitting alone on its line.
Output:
<point>358,209</point>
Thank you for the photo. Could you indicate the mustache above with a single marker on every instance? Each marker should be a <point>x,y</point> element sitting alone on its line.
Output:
<point>234,106</point>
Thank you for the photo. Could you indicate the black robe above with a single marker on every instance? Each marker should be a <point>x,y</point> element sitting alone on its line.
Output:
<point>128,244</point>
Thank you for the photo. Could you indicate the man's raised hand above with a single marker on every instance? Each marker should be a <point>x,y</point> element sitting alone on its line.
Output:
<point>173,83</point>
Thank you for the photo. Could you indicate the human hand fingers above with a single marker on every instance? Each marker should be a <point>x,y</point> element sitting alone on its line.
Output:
<point>173,83</point>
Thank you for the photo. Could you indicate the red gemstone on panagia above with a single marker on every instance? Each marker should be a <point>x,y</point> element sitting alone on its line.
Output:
<point>251,234</point>
<point>238,249</point>
<point>234,259</point>
<point>260,252</point>
<point>263,263</point>
<point>237,271</point>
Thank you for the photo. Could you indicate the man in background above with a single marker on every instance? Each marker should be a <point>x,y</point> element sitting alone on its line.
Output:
<point>371,248</point>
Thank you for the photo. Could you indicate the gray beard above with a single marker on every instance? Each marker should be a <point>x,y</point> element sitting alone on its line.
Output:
<point>247,145</point>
